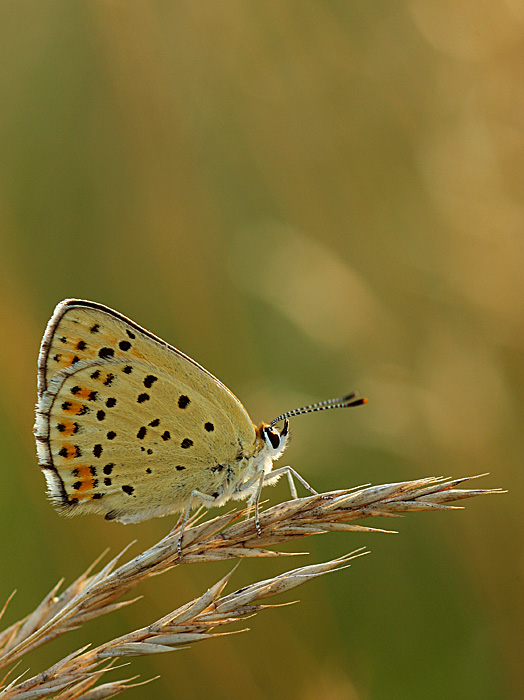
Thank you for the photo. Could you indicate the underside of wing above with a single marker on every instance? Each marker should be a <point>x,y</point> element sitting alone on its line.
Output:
<point>127,425</point>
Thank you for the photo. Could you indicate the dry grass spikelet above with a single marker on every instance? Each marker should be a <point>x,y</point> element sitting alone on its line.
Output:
<point>228,536</point>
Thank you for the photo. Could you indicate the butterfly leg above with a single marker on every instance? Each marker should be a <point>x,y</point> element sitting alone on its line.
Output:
<point>254,499</point>
<point>292,486</point>
<point>253,489</point>
<point>290,473</point>
<point>271,478</point>
<point>182,521</point>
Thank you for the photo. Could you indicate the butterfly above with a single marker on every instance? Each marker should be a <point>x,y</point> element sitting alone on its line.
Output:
<point>129,427</point>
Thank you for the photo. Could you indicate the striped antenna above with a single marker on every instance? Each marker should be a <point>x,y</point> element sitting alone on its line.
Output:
<point>342,402</point>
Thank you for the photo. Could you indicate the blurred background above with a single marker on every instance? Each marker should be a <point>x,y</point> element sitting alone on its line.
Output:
<point>308,198</point>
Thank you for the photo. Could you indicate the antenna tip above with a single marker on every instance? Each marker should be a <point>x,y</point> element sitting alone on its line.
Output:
<point>358,402</point>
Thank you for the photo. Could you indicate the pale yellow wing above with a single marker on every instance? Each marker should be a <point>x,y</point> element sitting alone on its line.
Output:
<point>126,424</point>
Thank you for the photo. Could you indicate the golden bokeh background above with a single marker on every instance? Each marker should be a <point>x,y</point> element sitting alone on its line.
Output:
<point>308,198</point>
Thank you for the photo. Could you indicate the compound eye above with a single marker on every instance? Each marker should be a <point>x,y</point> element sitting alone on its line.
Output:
<point>273,437</point>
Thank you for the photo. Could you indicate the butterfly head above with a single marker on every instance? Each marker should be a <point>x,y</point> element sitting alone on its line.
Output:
<point>274,441</point>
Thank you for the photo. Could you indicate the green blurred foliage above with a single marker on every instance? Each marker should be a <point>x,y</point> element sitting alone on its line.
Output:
<point>308,198</point>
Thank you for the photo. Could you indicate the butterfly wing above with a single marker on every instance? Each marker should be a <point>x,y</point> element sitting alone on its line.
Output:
<point>126,424</point>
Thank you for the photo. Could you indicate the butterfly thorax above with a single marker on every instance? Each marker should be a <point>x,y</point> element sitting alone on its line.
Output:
<point>268,447</point>
<point>257,462</point>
